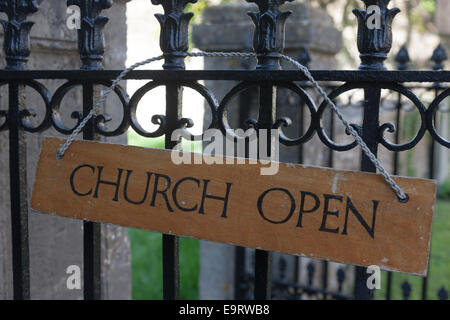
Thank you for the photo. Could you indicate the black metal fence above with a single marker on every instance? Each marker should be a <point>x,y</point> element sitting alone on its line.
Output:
<point>292,287</point>
<point>19,119</point>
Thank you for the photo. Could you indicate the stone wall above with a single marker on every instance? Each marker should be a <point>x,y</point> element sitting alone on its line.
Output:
<point>56,243</point>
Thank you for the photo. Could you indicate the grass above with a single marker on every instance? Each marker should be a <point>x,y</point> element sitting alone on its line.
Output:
<point>146,262</point>
<point>146,253</point>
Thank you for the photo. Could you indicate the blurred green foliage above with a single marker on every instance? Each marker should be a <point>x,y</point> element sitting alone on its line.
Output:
<point>444,190</point>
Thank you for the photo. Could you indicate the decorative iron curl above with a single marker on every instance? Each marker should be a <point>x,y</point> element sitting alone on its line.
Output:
<point>279,123</point>
<point>160,120</point>
<point>431,117</point>
<point>100,119</point>
<point>318,125</point>
<point>390,127</point>
<point>27,114</point>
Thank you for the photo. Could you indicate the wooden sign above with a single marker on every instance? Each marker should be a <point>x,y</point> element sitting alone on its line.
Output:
<point>343,216</point>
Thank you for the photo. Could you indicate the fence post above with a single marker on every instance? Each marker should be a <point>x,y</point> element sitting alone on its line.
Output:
<point>374,45</point>
<point>17,49</point>
<point>268,43</point>
<point>91,49</point>
<point>174,43</point>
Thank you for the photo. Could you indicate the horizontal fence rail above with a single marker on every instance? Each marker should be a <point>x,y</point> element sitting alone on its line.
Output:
<point>268,79</point>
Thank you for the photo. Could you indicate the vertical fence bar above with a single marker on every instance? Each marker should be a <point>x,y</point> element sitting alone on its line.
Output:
<point>91,230</point>
<point>370,129</point>
<point>263,259</point>
<point>17,50</point>
<point>18,192</point>
<point>402,60</point>
<point>91,49</point>
<point>373,52</point>
<point>438,57</point>
<point>174,43</point>
<point>304,58</point>
<point>268,43</point>
<point>240,287</point>
<point>170,244</point>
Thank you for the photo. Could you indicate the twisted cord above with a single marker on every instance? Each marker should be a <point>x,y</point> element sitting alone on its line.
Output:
<point>402,196</point>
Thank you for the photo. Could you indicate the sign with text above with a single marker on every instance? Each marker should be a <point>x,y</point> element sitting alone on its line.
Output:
<point>343,216</point>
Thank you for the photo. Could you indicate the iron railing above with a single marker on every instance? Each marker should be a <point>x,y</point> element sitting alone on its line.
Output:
<point>292,287</point>
<point>269,22</point>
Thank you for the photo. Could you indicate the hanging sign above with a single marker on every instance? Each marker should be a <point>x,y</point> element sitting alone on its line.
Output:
<point>343,216</point>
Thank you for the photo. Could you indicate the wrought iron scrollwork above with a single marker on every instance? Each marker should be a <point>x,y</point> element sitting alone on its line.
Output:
<point>160,120</point>
<point>390,127</point>
<point>100,119</point>
<point>27,114</point>
<point>431,118</point>
<point>384,127</point>
<point>279,123</point>
<point>320,112</point>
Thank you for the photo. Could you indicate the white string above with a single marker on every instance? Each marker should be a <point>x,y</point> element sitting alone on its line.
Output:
<point>402,196</point>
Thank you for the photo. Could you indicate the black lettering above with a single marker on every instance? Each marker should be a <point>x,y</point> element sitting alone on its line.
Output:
<point>72,176</point>
<point>326,213</point>
<point>161,192</point>
<point>174,194</point>
<point>125,189</point>
<point>224,199</point>
<point>350,206</point>
<point>260,202</point>
<point>302,206</point>
<point>110,183</point>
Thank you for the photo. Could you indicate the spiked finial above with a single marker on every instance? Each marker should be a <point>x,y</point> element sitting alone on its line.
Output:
<point>442,294</point>
<point>304,57</point>
<point>439,56</point>
<point>402,58</point>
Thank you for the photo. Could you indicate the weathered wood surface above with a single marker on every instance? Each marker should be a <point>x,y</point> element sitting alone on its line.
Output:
<point>343,216</point>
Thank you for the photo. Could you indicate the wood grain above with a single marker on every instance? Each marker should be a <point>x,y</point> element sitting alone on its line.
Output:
<point>340,228</point>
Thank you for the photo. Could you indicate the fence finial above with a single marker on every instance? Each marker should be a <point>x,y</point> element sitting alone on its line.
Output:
<point>375,33</point>
<point>439,56</point>
<point>174,38</point>
<point>91,44</point>
<point>402,58</point>
<point>268,38</point>
<point>304,57</point>
<point>17,31</point>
